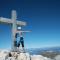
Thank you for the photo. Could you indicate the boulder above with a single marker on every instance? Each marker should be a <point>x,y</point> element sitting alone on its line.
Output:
<point>24,56</point>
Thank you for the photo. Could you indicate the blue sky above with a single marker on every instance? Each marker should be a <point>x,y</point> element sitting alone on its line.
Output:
<point>42,17</point>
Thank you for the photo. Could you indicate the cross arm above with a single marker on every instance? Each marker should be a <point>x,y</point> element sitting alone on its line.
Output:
<point>10,21</point>
<point>5,20</point>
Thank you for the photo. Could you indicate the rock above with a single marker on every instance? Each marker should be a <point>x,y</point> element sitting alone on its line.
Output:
<point>11,58</point>
<point>57,57</point>
<point>24,56</point>
<point>3,55</point>
<point>39,57</point>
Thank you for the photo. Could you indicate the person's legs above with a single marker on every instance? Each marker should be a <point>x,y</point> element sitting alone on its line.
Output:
<point>22,43</point>
<point>18,44</point>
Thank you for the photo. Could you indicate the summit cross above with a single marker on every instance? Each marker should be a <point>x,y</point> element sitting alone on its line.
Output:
<point>14,22</point>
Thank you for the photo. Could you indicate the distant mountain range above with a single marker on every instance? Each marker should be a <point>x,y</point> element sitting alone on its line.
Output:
<point>47,52</point>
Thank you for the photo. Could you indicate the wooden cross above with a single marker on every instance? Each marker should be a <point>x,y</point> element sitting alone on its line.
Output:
<point>14,22</point>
